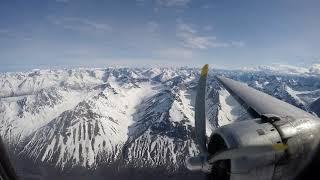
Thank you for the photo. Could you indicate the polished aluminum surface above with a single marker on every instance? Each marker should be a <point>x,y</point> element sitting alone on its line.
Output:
<point>260,102</point>
<point>251,133</point>
<point>245,145</point>
<point>299,129</point>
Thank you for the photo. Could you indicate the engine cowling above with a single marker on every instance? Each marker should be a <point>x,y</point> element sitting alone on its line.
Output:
<point>241,134</point>
<point>277,145</point>
<point>249,149</point>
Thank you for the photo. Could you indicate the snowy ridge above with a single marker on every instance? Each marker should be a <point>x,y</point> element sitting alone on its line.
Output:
<point>161,136</point>
<point>313,70</point>
<point>138,117</point>
<point>159,150</point>
<point>27,113</point>
<point>222,109</point>
<point>229,109</point>
<point>18,84</point>
<point>97,125</point>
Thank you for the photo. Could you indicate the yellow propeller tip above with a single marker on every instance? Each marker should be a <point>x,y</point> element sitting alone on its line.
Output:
<point>204,70</point>
<point>279,147</point>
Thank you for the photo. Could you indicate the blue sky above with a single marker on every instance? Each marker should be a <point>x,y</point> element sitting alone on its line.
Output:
<point>96,33</point>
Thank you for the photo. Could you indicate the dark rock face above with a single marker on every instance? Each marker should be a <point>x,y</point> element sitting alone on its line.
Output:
<point>315,107</point>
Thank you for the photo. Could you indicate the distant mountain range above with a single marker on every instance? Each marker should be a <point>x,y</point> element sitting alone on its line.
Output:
<point>120,122</point>
<point>287,69</point>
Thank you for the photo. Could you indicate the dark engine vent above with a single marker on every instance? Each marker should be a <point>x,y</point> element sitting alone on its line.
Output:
<point>220,169</point>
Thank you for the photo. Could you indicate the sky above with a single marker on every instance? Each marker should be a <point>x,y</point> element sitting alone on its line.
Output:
<point>99,33</point>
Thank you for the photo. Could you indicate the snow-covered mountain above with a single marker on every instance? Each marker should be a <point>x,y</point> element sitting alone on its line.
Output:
<point>125,118</point>
<point>284,69</point>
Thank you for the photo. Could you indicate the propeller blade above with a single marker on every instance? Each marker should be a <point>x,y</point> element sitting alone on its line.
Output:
<point>248,151</point>
<point>200,115</point>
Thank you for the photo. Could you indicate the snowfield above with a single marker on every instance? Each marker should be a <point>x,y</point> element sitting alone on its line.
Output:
<point>142,118</point>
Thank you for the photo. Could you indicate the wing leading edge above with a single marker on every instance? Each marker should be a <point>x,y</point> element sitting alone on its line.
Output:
<point>261,103</point>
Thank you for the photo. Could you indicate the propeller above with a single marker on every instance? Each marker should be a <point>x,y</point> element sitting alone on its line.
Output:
<point>200,162</point>
<point>204,161</point>
<point>200,114</point>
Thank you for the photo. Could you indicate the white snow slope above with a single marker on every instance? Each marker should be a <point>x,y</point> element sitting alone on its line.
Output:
<point>140,117</point>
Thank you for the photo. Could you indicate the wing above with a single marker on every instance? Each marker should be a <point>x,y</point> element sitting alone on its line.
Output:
<point>261,103</point>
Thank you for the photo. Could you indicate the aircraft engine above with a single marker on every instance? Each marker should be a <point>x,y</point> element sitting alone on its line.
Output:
<point>259,161</point>
<point>277,144</point>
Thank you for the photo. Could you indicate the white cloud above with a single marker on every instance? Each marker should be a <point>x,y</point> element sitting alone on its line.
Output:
<point>80,24</point>
<point>191,38</point>
<point>173,3</point>
<point>187,28</point>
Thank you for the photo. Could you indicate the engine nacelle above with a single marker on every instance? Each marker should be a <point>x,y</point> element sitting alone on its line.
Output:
<point>278,145</point>
<point>241,134</point>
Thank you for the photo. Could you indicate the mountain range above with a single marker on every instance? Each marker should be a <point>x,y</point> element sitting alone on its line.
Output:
<point>125,122</point>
